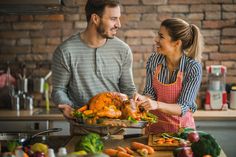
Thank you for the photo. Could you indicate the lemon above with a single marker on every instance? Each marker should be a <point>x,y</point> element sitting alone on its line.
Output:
<point>39,147</point>
<point>81,152</point>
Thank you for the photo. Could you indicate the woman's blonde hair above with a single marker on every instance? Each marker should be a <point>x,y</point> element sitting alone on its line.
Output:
<point>189,34</point>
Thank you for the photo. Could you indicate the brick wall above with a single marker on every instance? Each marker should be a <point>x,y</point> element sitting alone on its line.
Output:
<point>32,39</point>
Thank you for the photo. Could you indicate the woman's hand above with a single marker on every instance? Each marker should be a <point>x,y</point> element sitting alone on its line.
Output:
<point>145,102</point>
<point>66,110</point>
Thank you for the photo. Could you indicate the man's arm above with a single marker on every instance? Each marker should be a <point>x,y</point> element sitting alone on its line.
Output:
<point>126,83</point>
<point>60,80</point>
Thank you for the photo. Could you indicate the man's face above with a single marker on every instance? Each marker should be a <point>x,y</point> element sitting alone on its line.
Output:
<point>109,22</point>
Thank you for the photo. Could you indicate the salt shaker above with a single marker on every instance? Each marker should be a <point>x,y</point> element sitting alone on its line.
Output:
<point>51,153</point>
<point>62,152</point>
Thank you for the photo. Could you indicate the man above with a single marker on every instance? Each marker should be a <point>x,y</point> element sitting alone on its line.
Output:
<point>92,61</point>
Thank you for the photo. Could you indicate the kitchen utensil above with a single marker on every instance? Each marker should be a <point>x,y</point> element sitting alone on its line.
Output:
<point>26,141</point>
<point>38,83</point>
<point>22,85</point>
<point>153,142</point>
<point>15,102</point>
<point>46,87</point>
<point>28,103</point>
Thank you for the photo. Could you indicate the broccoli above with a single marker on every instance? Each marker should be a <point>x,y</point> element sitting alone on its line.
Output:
<point>91,143</point>
<point>206,145</point>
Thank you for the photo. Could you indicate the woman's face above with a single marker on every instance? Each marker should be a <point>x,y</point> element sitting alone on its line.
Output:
<point>164,44</point>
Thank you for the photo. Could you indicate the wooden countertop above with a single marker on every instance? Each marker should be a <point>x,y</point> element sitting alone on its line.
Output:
<point>113,143</point>
<point>30,115</point>
<point>215,115</point>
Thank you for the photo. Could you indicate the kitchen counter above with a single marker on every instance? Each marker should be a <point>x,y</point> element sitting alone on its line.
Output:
<point>113,143</point>
<point>26,121</point>
<point>215,115</point>
<point>32,115</point>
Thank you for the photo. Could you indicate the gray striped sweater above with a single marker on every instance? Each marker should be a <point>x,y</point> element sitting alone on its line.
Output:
<point>80,72</point>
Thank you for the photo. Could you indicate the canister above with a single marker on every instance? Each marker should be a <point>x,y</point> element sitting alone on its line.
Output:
<point>38,85</point>
<point>15,102</point>
<point>28,102</point>
<point>233,97</point>
<point>22,85</point>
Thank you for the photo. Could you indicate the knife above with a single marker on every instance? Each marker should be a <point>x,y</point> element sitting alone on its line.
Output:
<point>132,135</point>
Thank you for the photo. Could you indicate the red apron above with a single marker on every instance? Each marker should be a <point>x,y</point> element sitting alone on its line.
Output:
<point>169,93</point>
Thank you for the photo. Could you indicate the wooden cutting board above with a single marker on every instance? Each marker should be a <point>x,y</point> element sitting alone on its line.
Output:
<point>152,141</point>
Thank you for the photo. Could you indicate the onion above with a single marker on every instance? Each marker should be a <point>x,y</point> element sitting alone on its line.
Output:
<point>183,152</point>
<point>186,152</point>
<point>193,136</point>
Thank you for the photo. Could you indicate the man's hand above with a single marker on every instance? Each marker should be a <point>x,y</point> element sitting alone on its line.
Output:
<point>66,110</point>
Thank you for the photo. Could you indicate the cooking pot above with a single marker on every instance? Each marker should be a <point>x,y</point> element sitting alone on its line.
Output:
<point>38,83</point>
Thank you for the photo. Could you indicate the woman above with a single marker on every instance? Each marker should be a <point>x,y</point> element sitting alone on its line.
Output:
<point>173,76</point>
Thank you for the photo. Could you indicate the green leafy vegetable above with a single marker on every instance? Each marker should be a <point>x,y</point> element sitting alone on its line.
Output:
<point>151,117</point>
<point>206,145</point>
<point>12,145</point>
<point>91,143</point>
<point>132,119</point>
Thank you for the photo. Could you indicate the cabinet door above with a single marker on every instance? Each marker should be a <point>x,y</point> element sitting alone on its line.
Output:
<point>61,124</point>
<point>223,131</point>
<point>23,126</point>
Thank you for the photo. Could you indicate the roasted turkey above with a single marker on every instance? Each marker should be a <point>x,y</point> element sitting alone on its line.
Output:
<point>111,105</point>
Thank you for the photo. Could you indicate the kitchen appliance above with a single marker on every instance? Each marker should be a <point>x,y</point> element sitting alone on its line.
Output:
<point>216,96</point>
<point>233,97</point>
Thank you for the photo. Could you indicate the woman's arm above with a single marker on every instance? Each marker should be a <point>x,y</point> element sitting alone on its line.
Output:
<point>148,104</point>
<point>191,85</point>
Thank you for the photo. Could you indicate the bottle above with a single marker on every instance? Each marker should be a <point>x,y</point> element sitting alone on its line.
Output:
<point>51,153</point>
<point>19,152</point>
<point>62,152</point>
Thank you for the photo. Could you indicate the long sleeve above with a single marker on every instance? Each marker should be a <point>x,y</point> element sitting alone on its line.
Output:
<point>126,82</point>
<point>61,74</point>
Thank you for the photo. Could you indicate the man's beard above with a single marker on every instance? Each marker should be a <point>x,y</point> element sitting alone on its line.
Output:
<point>101,31</point>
